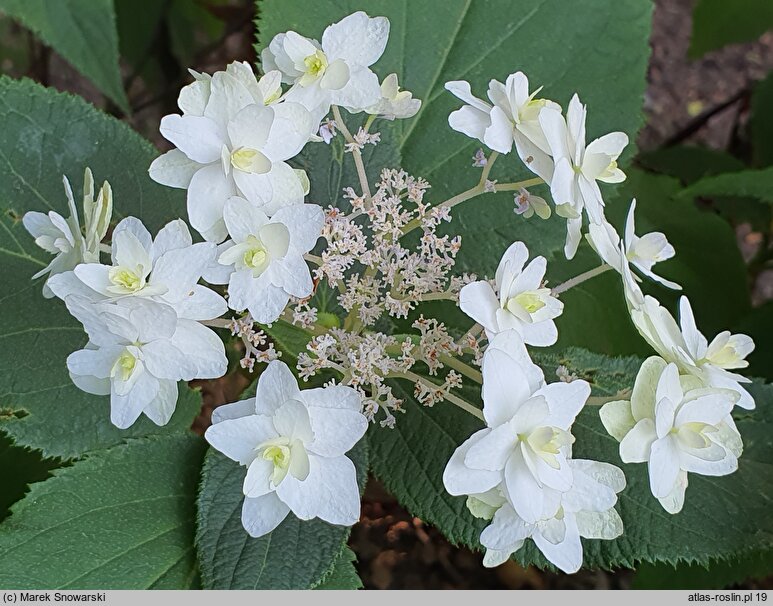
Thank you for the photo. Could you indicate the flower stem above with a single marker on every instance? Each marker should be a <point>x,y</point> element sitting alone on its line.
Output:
<point>465,369</point>
<point>623,394</point>
<point>454,399</point>
<point>217,323</point>
<point>572,282</point>
<point>519,184</point>
<point>363,177</point>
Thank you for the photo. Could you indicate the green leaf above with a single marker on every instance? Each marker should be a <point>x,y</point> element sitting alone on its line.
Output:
<point>719,575</point>
<point>81,31</point>
<point>761,122</point>
<point>119,519</point>
<point>716,23</point>
<point>43,135</point>
<point>288,338</point>
<point>19,468</point>
<point>296,555</point>
<point>689,163</point>
<point>440,40</point>
<point>747,183</point>
<point>344,574</point>
<point>723,517</point>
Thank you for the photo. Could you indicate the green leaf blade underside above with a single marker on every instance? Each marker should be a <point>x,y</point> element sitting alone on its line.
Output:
<point>119,519</point>
<point>43,135</point>
<point>83,32</point>
<point>296,555</point>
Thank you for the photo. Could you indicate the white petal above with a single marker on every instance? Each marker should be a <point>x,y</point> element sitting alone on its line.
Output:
<point>304,223</point>
<point>478,300</point>
<point>506,531</point>
<point>617,418</point>
<point>330,491</point>
<point>227,98</point>
<point>276,385</point>
<point>636,445</point>
<point>492,450</point>
<point>498,136</point>
<point>505,388</point>
<point>470,121</point>
<point>599,524</point>
<point>207,193</point>
<point>540,334</point>
<point>268,304</point>
<point>236,410</point>
<point>262,515</point>
<point>173,236</point>
<point>201,303</point>
<point>292,275</point>
<point>291,420</point>
<point>336,430</point>
<point>565,400</point>
<point>173,169</point>
<point>361,91</point>
<point>125,410</point>
<point>523,491</point>
<point>357,38</point>
<point>257,482</point>
<point>243,219</point>
<point>663,466</point>
<point>161,409</point>
<point>199,138</point>
<point>644,388</point>
<point>238,438</point>
<point>566,555</point>
<point>290,131</point>
<point>460,479</point>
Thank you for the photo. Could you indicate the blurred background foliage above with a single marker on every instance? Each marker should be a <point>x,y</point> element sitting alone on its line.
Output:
<point>704,169</point>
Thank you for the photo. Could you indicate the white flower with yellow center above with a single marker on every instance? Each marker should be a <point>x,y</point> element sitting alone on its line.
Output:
<point>336,72</point>
<point>394,103</point>
<point>166,269</point>
<point>263,261</point>
<point>63,237</point>
<point>527,441</point>
<point>676,426</point>
<point>586,510</point>
<point>513,118</point>
<point>520,301</point>
<point>138,350</point>
<point>688,348</point>
<point>235,147</point>
<point>578,167</point>
<point>294,445</point>
<point>641,252</point>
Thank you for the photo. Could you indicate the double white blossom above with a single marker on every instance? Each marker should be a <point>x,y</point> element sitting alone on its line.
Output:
<point>267,90</point>
<point>675,425</point>
<point>137,351</point>
<point>520,301</point>
<point>685,346</point>
<point>511,118</point>
<point>586,510</point>
<point>235,147</point>
<point>577,167</point>
<point>294,446</point>
<point>336,72</point>
<point>165,269</point>
<point>63,237</point>
<point>394,103</point>
<point>263,261</point>
<point>519,471</point>
<point>641,252</point>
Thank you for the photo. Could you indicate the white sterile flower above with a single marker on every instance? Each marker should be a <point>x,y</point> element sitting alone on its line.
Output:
<point>513,118</point>
<point>293,444</point>
<point>166,268</point>
<point>236,147</point>
<point>677,426</point>
<point>642,252</point>
<point>137,351</point>
<point>520,301</point>
<point>337,72</point>
<point>577,167</point>
<point>194,97</point>
<point>527,441</point>
<point>394,103</point>
<point>263,261</point>
<point>685,346</point>
<point>586,510</point>
<point>63,237</point>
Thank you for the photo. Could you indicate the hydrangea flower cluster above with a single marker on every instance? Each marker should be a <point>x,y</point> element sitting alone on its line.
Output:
<point>150,304</point>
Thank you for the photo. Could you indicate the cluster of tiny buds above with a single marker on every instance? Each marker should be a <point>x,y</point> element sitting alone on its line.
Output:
<point>361,139</point>
<point>434,343</point>
<point>429,395</point>
<point>258,349</point>
<point>304,315</point>
<point>479,160</point>
<point>564,375</point>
